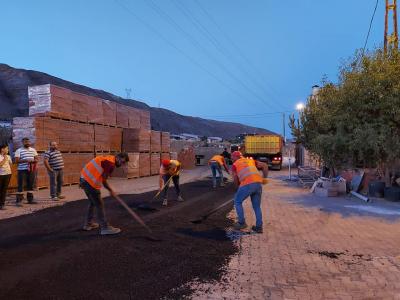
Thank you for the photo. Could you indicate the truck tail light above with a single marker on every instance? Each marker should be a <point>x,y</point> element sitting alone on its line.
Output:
<point>277,158</point>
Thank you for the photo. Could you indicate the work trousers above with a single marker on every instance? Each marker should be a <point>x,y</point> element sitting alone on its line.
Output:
<point>254,191</point>
<point>4,181</point>
<point>25,178</point>
<point>95,202</point>
<point>216,167</point>
<point>56,182</point>
<point>175,180</point>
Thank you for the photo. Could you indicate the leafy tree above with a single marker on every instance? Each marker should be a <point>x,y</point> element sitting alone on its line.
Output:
<point>355,122</point>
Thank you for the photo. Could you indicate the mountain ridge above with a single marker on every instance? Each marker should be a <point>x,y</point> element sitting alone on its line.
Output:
<point>14,103</point>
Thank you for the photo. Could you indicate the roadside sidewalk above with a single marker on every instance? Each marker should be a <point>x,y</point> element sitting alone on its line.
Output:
<point>307,252</point>
<point>73,193</point>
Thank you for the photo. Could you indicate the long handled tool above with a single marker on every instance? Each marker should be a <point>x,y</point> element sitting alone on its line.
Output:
<point>200,220</point>
<point>137,218</point>
<point>165,185</point>
<point>145,206</point>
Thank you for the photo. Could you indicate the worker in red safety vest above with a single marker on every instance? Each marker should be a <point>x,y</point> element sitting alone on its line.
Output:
<point>246,175</point>
<point>170,170</point>
<point>216,163</point>
<point>93,176</point>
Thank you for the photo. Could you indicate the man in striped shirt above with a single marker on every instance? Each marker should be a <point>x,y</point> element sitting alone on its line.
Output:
<point>27,158</point>
<point>54,164</point>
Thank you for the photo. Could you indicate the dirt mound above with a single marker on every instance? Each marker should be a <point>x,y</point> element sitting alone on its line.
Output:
<point>45,255</point>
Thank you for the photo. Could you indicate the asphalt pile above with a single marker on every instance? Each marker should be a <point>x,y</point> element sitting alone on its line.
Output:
<point>46,255</point>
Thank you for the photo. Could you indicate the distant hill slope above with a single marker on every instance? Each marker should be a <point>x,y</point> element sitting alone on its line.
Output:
<point>14,103</point>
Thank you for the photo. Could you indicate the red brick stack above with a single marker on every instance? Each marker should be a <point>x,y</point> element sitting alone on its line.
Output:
<point>84,126</point>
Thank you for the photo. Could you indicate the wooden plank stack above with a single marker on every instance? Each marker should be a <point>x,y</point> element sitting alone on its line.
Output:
<point>85,126</point>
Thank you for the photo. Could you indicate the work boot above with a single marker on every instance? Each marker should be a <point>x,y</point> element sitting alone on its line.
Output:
<point>54,198</point>
<point>61,196</point>
<point>90,226</point>
<point>109,230</point>
<point>239,226</point>
<point>29,197</point>
<point>165,202</point>
<point>257,229</point>
<point>180,199</point>
<point>19,199</point>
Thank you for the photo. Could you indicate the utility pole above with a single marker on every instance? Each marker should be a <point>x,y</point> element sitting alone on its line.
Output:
<point>284,126</point>
<point>128,93</point>
<point>391,40</point>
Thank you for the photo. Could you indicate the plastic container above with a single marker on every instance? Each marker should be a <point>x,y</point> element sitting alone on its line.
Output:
<point>376,189</point>
<point>392,194</point>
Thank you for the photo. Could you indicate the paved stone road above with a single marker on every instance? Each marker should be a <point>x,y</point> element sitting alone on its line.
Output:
<point>309,253</point>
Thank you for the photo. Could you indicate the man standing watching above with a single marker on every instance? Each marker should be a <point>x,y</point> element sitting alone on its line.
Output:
<point>216,163</point>
<point>93,176</point>
<point>27,158</point>
<point>170,168</point>
<point>248,178</point>
<point>54,164</point>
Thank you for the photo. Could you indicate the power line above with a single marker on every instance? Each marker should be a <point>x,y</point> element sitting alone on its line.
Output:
<point>217,44</point>
<point>198,45</point>
<point>369,29</point>
<point>192,60</point>
<point>234,45</point>
<point>250,115</point>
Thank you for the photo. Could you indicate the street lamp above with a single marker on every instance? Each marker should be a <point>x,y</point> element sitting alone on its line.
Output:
<point>300,106</point>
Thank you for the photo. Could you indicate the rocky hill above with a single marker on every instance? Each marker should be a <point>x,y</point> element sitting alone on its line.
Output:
<point>14,103</point>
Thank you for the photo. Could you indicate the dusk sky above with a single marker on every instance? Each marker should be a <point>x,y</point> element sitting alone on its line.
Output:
<point>241,61</point>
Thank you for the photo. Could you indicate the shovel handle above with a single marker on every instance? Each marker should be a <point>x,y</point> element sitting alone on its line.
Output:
<point>133,214</point>
<point>159,192</point>
<point>216,209</point>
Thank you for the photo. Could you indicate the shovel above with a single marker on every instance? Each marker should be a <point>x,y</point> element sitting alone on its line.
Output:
<point>137,218</point>
<point>203,218</point>
<point>145,206</point>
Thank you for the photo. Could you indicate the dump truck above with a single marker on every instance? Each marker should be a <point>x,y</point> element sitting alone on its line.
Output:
<point>265,148</point>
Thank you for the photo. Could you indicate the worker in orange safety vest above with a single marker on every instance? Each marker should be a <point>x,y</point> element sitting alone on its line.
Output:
<point>216,163</point>
<point>170,170</point>
<point>93,176</point>
<point>246,175</point>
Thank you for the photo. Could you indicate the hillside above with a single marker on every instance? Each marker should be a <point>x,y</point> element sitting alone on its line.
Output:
<point>14,103</point>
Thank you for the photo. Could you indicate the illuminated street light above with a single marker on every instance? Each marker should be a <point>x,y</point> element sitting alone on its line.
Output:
<point>300,106</point>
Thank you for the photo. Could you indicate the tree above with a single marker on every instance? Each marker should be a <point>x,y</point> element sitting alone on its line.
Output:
<point>355,122</point>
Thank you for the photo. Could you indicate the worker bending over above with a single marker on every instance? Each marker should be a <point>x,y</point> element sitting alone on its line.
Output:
<point>216,163</point>
<point>169,170</point>
<point>93,176</point>
<point>247,177</point>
